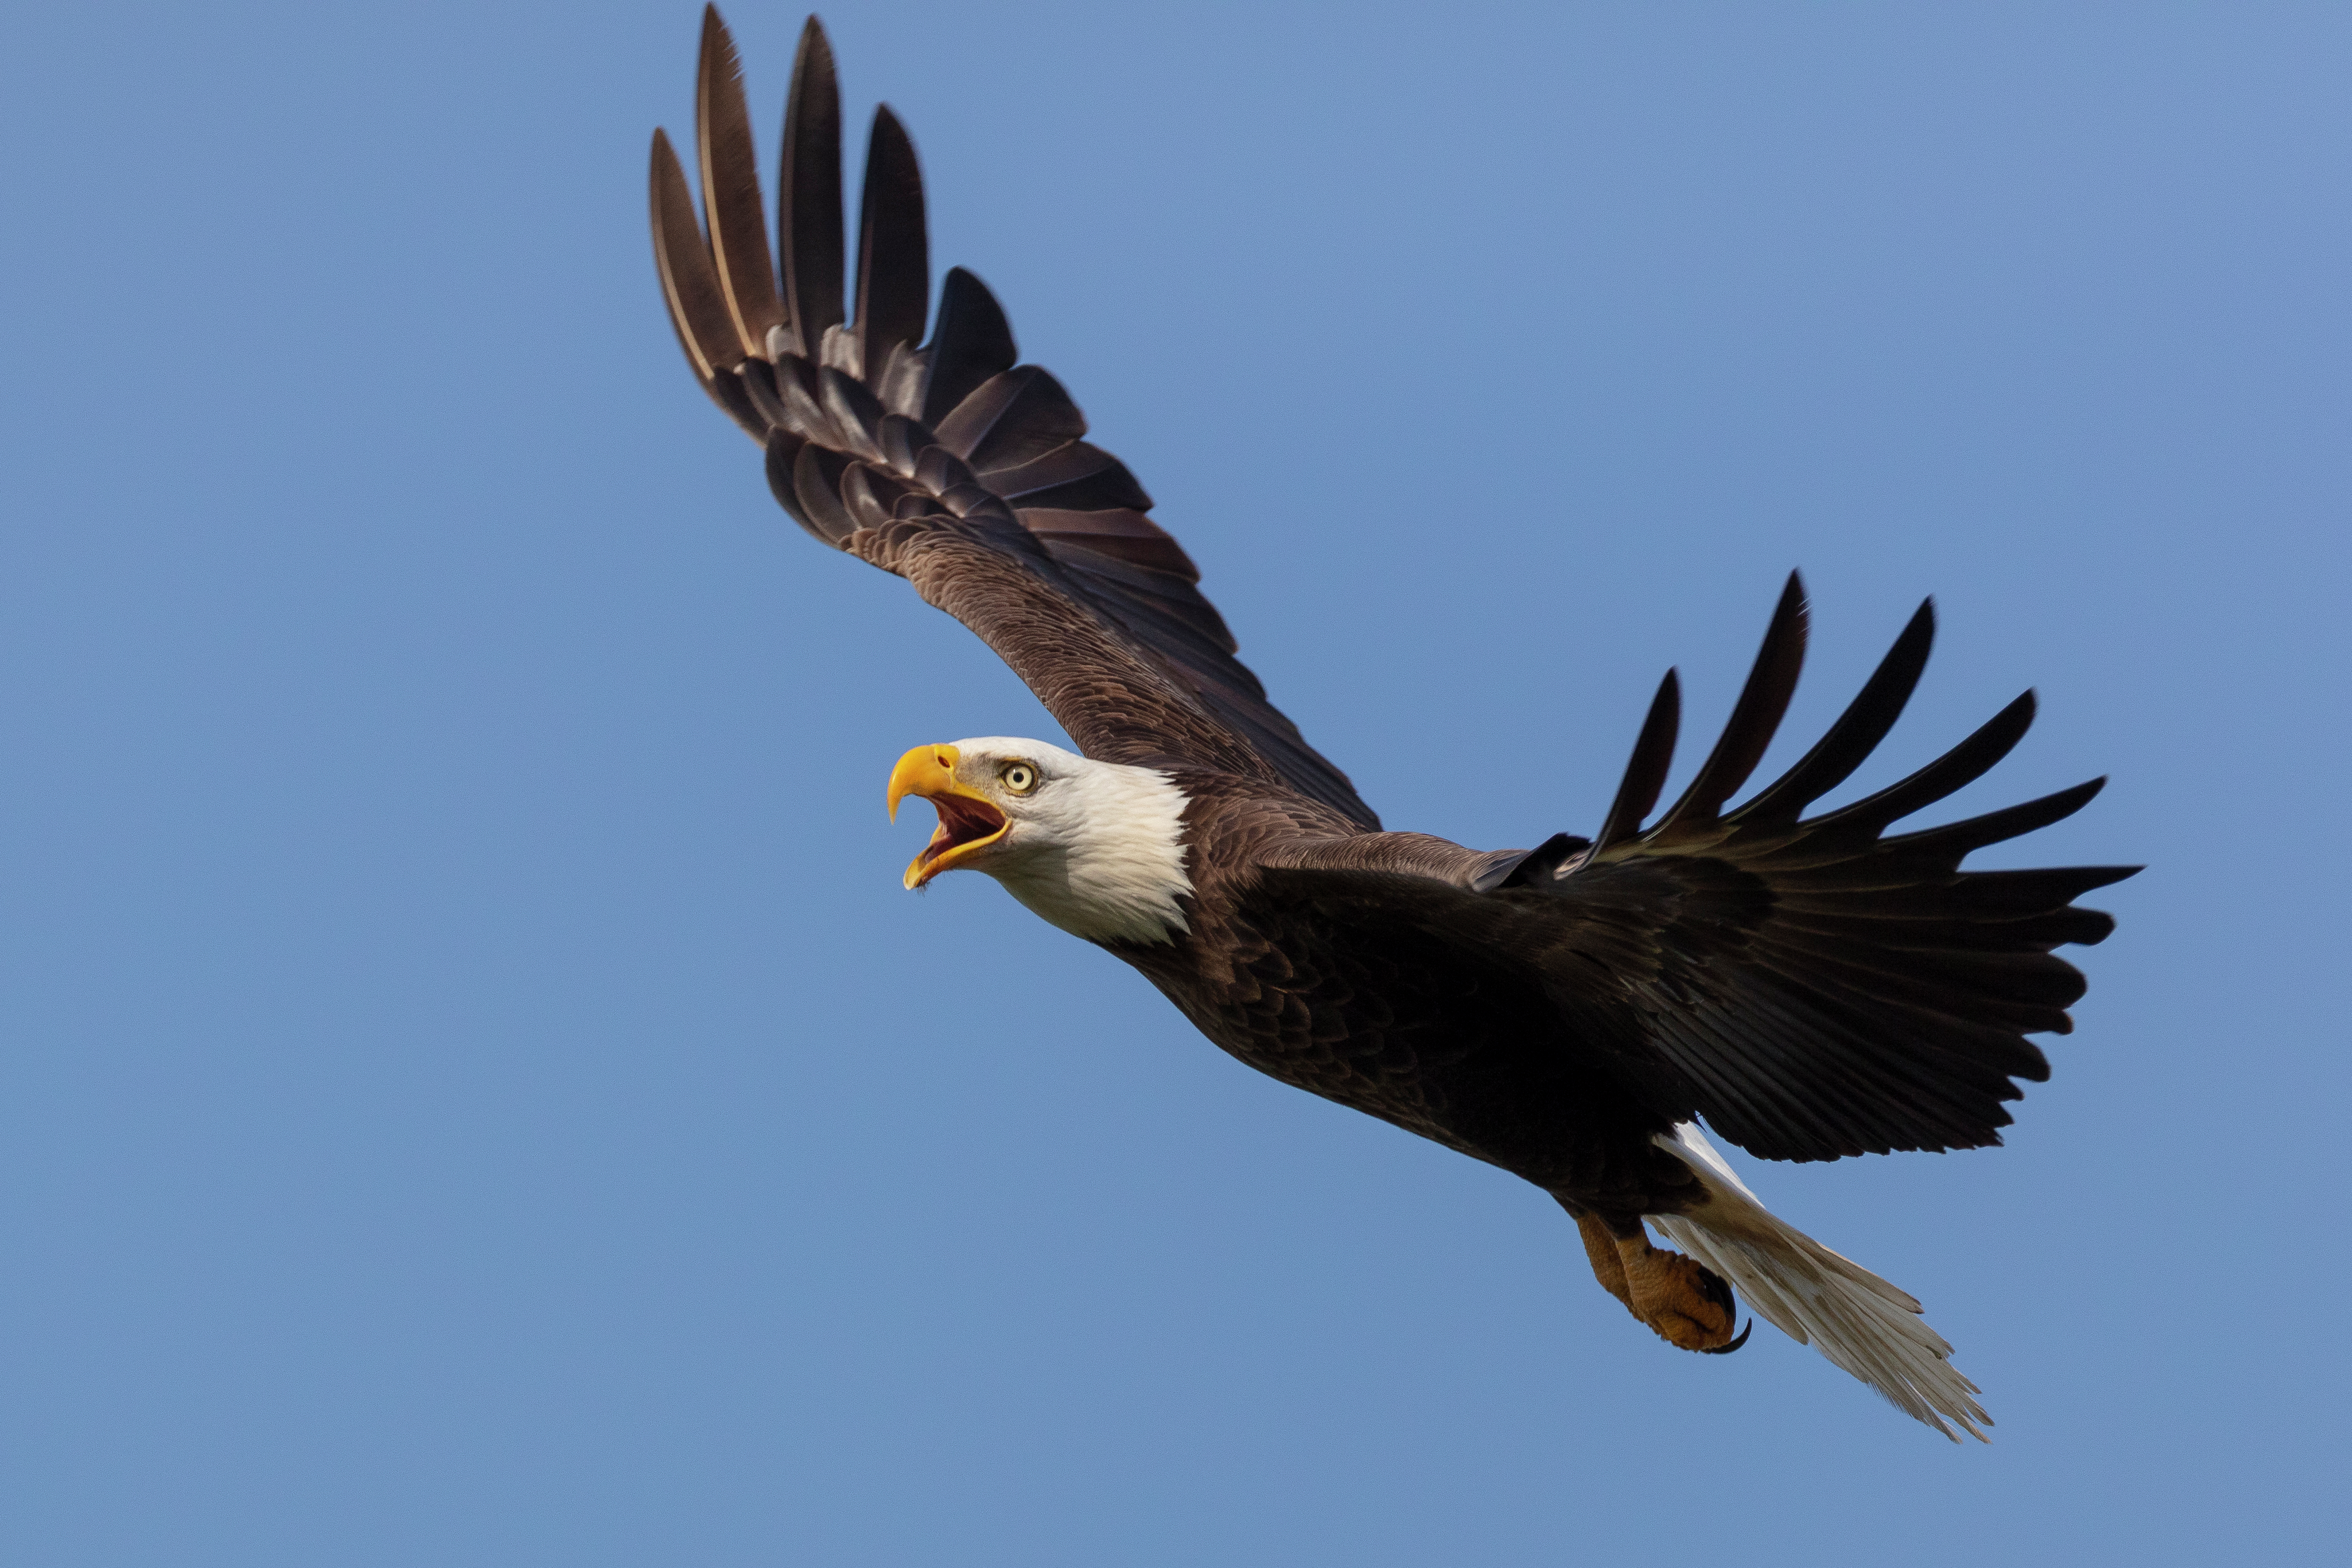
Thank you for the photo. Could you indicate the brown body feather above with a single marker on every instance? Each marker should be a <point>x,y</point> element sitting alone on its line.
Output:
<point>1335,984</point>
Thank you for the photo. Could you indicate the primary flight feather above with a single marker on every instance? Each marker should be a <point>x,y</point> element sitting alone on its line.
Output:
<point>1811,986</point>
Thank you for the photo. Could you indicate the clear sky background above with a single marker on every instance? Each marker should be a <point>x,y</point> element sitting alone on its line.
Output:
<point>473,1092</point>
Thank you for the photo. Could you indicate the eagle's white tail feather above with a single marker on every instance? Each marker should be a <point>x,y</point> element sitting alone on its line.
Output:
<point>1815,1296</point>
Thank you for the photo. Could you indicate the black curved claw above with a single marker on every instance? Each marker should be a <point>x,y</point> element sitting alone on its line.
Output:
<point>1726,1349</point>
<point>1718,1291</point>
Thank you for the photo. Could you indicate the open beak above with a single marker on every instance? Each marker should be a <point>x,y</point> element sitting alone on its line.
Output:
<point>969,821</point>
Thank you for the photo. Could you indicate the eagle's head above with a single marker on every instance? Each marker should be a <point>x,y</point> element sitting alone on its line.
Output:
<point>1098,848</point>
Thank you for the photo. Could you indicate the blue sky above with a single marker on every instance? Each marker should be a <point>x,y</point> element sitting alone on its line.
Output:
<point>472,1090</point>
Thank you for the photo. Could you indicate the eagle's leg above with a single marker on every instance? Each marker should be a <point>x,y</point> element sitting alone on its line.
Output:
<point>1683,1303</point>
<point>1600,1251</point>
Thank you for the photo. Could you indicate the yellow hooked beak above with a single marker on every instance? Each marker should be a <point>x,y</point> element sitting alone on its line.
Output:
<point>969,821</point>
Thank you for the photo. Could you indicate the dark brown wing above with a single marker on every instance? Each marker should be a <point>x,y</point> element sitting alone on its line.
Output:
<point>1813,986</point>
<point>948,463</point>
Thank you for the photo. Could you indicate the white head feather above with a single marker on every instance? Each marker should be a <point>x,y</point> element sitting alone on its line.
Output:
<point>1097,848</point>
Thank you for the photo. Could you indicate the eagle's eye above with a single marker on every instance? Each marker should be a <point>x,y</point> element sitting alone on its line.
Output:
<point>1019,777</point>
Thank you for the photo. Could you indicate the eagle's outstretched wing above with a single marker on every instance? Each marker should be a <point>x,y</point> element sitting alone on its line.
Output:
<point>1811,986</point>
<point>948,463</point>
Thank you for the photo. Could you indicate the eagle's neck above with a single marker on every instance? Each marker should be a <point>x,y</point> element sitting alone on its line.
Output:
<point>1110,864</point>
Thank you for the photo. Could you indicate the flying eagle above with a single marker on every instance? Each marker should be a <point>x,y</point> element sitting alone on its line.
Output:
<point>1812,986</point>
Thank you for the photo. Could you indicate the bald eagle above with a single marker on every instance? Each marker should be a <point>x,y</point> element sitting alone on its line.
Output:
<point>1812,986</point>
